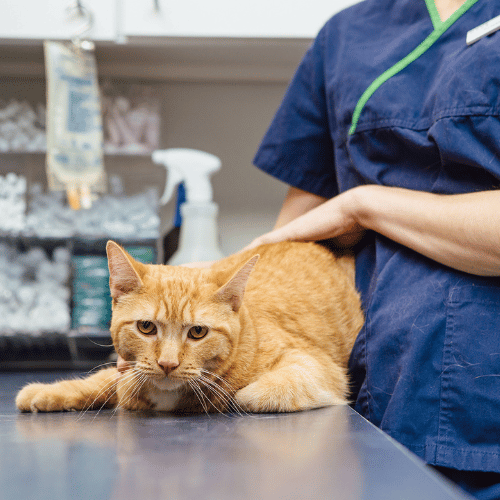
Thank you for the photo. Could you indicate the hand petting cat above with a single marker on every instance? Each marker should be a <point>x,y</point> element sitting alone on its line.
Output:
<point>321,220</point>
<point>425,222</point>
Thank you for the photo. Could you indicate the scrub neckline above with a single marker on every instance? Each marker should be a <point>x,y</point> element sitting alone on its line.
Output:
<point>433,13</point>
<point>439,28</point>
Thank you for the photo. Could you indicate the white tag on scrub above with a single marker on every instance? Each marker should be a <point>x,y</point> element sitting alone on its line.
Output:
<point>74,123</point>
<point>483,30</point>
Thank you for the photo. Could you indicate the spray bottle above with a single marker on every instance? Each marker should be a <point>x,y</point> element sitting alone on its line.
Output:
<point>198,236</point>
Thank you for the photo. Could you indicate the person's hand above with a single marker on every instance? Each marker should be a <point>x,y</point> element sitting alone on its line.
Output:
<point>334,218</point>
<point>345,240</point>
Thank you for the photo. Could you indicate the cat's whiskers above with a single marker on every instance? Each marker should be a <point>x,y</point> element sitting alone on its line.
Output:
<point>109,364</point>
<point>132,390</point>
<point>224,397</point>
<point>198,393</point>
<point>191,375</point>
<point>218,400</point>
<point>232,401</point>
<point>128,378</point>
<point>198,381</point>
<point>109,384</point>
<point>138,382</point>
<point>140,385</point>
<point>134,386</point>
<point>218,377</point>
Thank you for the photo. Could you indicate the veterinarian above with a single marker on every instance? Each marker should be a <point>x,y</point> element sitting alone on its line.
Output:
<point>390,131</point>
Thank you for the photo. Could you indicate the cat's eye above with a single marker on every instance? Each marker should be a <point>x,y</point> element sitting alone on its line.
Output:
<point>197,332</point>
<point>146,327</point>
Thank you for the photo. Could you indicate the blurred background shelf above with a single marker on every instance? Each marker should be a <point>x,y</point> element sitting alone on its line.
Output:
<point>55,351</point>
<point>86,341</point>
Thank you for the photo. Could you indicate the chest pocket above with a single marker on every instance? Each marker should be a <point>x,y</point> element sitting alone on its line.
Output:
<point>468,82</point>
<point>435,125</point>
<point>441,78</point>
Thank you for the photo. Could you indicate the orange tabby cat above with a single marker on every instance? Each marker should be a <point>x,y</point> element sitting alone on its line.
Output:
<point>262,333</point>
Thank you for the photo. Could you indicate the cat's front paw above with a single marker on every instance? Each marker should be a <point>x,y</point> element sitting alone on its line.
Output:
<point>45,398</point>
<point>249,400</point>
<point>273,393</point>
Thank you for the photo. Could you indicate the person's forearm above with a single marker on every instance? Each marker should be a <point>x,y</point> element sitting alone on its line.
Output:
<point>297,202</point>
<point>460,231</point>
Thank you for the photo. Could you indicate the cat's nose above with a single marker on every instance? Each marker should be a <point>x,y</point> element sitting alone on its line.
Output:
<point>168,365</point>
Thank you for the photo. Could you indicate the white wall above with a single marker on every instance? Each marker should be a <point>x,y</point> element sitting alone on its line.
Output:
<point>229,121</point>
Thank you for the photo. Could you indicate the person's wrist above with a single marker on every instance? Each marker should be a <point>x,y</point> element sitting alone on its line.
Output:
<point>360,202</point>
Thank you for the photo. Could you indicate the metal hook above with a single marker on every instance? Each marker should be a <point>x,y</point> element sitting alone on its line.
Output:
<point>79,11</point>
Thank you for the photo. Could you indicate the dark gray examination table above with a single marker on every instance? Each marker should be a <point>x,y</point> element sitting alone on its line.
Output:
<point>331,453</point>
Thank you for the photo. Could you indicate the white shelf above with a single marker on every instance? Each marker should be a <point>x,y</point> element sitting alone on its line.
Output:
<point>173,59</point>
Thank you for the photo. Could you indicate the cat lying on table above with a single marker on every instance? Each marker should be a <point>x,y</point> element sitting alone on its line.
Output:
<point>265,330</point>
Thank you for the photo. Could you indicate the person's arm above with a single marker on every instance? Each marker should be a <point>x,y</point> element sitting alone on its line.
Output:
<point>461,231</point>
<point>297,202</point>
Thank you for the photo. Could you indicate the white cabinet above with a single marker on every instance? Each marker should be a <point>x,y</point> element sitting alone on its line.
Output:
<point>119,19</point>
<point>51,19</point>
<point>227,18</point>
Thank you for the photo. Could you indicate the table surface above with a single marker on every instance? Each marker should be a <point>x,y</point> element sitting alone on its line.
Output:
<point>330,453</point>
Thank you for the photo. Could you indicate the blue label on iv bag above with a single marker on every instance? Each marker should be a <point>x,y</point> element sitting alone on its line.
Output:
<point>79,118</point>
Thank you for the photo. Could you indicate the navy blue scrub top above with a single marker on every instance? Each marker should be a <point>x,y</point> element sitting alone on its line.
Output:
<point>426,365</point>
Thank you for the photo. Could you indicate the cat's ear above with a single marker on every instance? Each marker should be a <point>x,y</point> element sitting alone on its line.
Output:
<point>233,291</point>
<point>123,277</point>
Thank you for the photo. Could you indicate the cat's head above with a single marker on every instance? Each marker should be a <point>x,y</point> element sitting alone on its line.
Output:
<point>174,323</point>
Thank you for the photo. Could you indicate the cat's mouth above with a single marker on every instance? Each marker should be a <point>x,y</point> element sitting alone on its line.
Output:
<point>167,383</point>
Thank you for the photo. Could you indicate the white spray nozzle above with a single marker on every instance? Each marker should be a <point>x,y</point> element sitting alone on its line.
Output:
<point>190,166</point>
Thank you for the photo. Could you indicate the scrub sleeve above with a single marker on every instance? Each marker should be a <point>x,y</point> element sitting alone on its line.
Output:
<point>388,94</point>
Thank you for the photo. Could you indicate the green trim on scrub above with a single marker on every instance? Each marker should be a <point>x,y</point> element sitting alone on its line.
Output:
<point>412,56</point>
<point>433,12</point>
